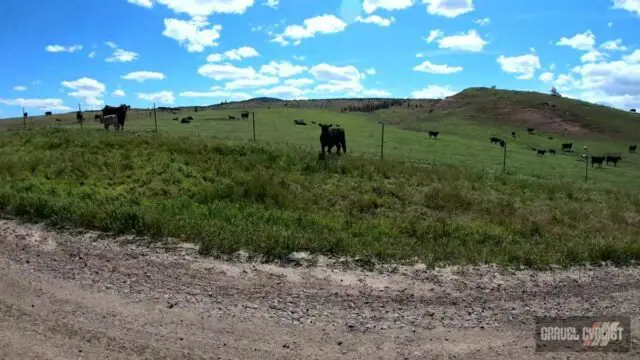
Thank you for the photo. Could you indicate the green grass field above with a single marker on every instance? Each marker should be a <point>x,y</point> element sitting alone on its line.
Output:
<point>432,201</point>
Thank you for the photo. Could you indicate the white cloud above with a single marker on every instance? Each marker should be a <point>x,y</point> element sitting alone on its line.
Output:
<point>36,82</point>
<point>592,56</point>
<point>271,3</point>
<point>378,20</point>
<point>119,93</point>
<point>298,82</point>
<point>613,45</point>
<point>282,69</point>
<point>433,92</point>
<point>483,21</point>
<point>286,92</point>
<point>628,5</point>
<point>195,34</point>
<point>582,41</point>
<point>42,104</point>
<point>370,71</point>
<point>532,49</point>
<point>226,72</point>
<point>164,97</point>
<point>142,76</point>
<point>546,77</point>
<point>471,41</point>
<point>241,53</point>
<point>92,54</point>
<point>20,88</point>
<point>216,94</point>
<point>326,72</point>
<point>88,90</point>
<point>525,65</point>
<point>144,3</point>
<point>200,8</point>
<point>298,58</point>
<point>431,68</point>
<point>633,58</point>
<point>256,28</point>
<point>60,48</point>
<point>214,58</point>
<point>256,81</point>
<point>552,66</point>
<point>434,34</point>
<point>111,44</point>
<point>323,24</point>
<point>375,93</point>
<point>370,6</point>
<point>610,24</point>
<point>419,55</point>
<point>449,8</point>
<point>121,55</point>
<point>333,86</point>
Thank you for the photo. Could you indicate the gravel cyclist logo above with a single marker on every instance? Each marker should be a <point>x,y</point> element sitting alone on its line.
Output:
<point>600,334</point>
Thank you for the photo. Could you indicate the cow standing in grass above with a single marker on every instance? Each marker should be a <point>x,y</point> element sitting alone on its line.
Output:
<point>632,149</point>
<point>110,120</point>
<point>613,159</point>
<point>597,160</point>
<point>120,113</point>
<point>330,137</point>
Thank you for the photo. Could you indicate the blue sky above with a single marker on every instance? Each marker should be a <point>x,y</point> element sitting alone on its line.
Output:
<point>195,52</point>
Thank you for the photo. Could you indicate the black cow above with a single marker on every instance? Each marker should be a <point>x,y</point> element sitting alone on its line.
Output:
<point>58,120</point>
<point>531,130</point>
<point>513,134</point>
<point>567,147</point>
<point>300,122</point>
<point>185,121</point>
<point>190,118</point>
<point>245,115</point>
<point>434,134</point>
<point>25,114</point>
<point>48,113</point>
<point>597,160</point>
<point>332,137</point>
<point>231,117</point>
<point>79,116</point>
<point>97,117</point>
<point>120,112</point>
<point>503,143</point>
<point>552,151</point>
<point>176,119</point>
<point>633,110</point>
<point>541,152</point>
<point>495,140</point>
<point>613,159</point>
<point>632,149</point>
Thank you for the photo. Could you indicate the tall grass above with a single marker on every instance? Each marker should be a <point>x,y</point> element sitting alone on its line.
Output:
<point>272,200</point>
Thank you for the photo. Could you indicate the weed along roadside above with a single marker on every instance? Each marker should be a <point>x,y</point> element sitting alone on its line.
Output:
<point>273,200</point>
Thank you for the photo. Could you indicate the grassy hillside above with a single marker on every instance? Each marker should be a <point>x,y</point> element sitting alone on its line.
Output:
<point>275,199</point>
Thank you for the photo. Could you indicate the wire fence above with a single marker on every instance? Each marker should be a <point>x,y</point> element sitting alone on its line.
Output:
<point>525,154</point>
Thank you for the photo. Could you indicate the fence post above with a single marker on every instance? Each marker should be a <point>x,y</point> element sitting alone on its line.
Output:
<point>586,168</point>
<point>382,142</point>
<point>253,116</point>
<point>155,119</point>
<point>24,119</point>
<point>504,160</point>
<point>81,117</point>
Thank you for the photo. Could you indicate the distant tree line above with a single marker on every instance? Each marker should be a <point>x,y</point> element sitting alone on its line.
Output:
<point>371,107</point>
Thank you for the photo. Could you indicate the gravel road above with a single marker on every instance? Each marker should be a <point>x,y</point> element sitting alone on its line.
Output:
<point>86,295</point>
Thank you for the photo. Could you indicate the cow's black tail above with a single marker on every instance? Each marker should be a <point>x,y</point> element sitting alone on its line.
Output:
<point>344,143</point>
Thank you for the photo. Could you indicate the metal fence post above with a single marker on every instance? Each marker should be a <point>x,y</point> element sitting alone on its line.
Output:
<point>253,116</point>
<point>382,142</point>
<point>504,160</point>
<point>155,119</point>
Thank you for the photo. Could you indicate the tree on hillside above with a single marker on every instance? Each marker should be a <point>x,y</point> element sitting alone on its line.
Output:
<point>554,92</point>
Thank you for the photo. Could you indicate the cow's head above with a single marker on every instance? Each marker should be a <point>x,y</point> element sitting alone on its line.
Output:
<point>325,128</point>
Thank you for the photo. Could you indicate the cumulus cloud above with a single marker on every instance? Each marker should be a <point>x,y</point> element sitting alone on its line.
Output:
<point>60,48</point>
<point>449,8</point>
<point>627,5</point>
<point>613,45</point>
<point>326,72</point>
<point>215,58</point>
<point>20,88</point>
<point>471,41</point>
<point>200,8</point>
<point>298,82</point>
<point>582,41</point>
<point>434,34</point>
<point>111,44</point>
<point>483,22</point>
<point>632,58</point>
<point>282,91</point>
<point>195,34</point>
<point>144,3</point>
<point>433,92</point>
<point>370,71</point>
<point>142,76</point>
<point>370,6</point>
<point>378,20</point>
<point>431,68</point>
<point>592,56</point>
<point>92,54</point>
<point>226,72</point>
<point>216,93</point>
<point>546,77</point>
<point>323,24</point>
<point>42,104</point>
<point>258,80</point>
<point>271,3</point>
<point>88,90</point>
<point>121,55</point>
<point>241,53</point>
<point>282,69</point>
<point>524,65</point>
<point>119,93</point>
<point>164,97</point>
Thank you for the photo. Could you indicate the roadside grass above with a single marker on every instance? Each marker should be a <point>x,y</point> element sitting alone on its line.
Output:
<point>273,199</point>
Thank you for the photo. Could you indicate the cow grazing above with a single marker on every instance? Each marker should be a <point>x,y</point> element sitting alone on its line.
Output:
<point>120,112</point>
<point>613,159</point>
<point>513,134</point>
<point>231,117</point>
<point>531,130</point>
<point>313,122</point>
<point>58,120</point>
<point>495,140</point>
<point>245,115</point>
<point>176,119</point>
<point>434,134</point>
<point>503,143</point>
<point>332,137</point>
<point>597,160</point>
<point>111,120</point>
<point>632,149</point>
<point>552,151</point>
<point>300,122</point>
<point>567,147</point>
<point>48,113</point>
<point>550,137</point>
<point>185,121</point>
<point>190,118</point>
<point>633,110</point>
<point>541,152</point>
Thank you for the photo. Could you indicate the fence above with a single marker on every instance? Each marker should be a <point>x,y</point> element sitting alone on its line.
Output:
<point>364,137</point>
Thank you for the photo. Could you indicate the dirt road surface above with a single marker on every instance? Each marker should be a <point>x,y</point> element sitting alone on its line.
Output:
<point>91,296</point>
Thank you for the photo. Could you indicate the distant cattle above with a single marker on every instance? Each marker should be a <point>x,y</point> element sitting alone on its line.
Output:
<point>185,120</point>
<point>513,134</point>
<point>613,159</point>
<point>58,120</point>
<point>632,149</point>
<point>111,120</point>
<point>597,160</point>
<point>503,143</point>
<point>332,137</point>
<point>633,110</point>
<point>190,118</point>
<point>245,115</point>
<point>120,112</point>
<point>300,122</point>
<point>550,137</point>
<point>79,116</point>
<point>231,117</point>
<point>313,122</point>
<point>567,147</point>
<point>552,151</point>
<point>97,117</point>
<point>495,140</point>
<point>531,130</point>
<point>25,114</point>
<point>176,119</point>
<point>48,113</point>
<point>541,152</point>
<point>434,134</point>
